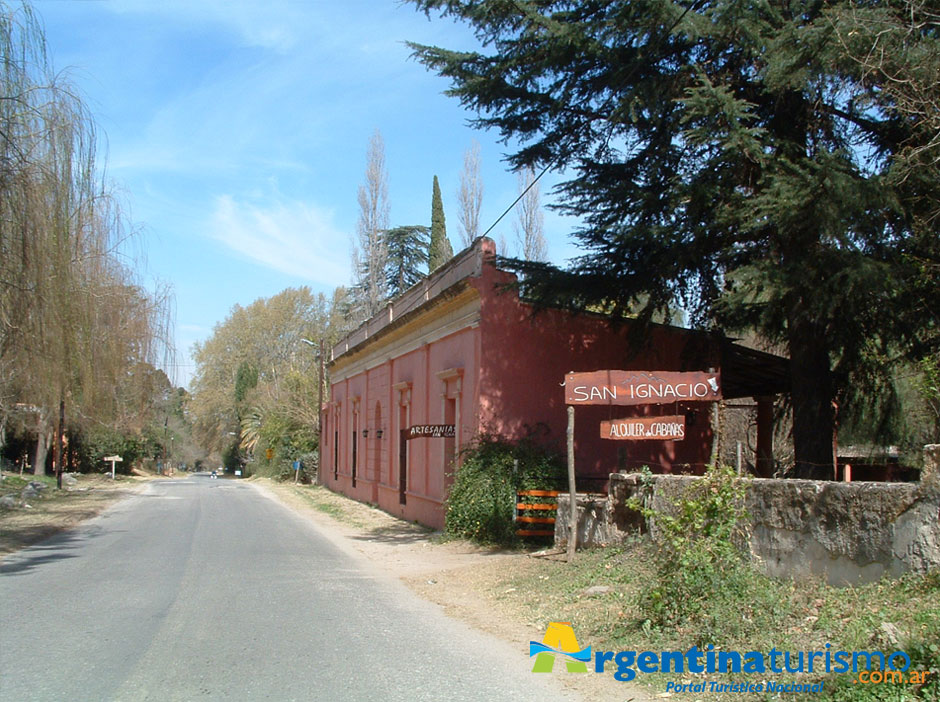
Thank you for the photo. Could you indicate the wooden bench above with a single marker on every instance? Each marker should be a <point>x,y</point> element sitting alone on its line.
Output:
<point>524,503</point>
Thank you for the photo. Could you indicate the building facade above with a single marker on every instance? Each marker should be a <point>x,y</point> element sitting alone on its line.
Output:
<point>461,349</point>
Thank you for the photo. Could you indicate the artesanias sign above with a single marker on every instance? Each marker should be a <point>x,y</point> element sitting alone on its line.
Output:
<point>431,431</point>
<point>613,387</point>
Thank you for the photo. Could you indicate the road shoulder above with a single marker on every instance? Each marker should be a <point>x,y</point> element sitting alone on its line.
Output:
<point>463,578</point>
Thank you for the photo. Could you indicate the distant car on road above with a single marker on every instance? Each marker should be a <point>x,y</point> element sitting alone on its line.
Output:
<point>214,475</point>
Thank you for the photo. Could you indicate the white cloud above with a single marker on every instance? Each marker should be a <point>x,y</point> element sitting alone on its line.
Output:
<point>277,25</point>
<point>291,237</point>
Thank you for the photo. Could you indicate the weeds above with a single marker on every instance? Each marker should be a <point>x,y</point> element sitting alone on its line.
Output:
<point>701,568</point>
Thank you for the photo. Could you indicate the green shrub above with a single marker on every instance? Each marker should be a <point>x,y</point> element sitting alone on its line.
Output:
<point>482,497</point>
<point>91,446</point>
<point>700,561</point>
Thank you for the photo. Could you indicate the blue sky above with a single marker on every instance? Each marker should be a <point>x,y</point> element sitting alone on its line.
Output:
<point>237,131</point>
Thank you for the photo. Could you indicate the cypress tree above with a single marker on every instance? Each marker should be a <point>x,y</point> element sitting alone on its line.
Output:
<point>439,250</point>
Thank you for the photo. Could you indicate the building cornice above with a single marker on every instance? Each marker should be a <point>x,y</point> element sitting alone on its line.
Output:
<point>455,309</point>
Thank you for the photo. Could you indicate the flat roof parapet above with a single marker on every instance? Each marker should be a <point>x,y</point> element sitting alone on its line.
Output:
<point>466,264</point>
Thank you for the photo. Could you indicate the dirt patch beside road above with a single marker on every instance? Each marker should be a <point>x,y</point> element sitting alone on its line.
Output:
<point>56,510</point>
<point>467,580</point>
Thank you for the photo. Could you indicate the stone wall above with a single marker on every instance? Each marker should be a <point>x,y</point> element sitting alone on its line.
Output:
<point>846,533</point>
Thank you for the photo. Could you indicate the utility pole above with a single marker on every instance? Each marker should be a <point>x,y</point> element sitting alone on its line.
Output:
<point>166,419</point>
<point>319,347</point>
<point>320,418</point>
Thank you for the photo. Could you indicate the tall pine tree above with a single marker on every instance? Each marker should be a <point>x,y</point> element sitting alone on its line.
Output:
<point>734,156</point>
<point>439,250</point>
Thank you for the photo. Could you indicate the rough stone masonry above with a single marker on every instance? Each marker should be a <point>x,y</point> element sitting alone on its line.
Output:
<point>847,533</point>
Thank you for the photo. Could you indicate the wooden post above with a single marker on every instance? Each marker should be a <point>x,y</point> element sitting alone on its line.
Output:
<point>765,436</point>
<point>572,493</point>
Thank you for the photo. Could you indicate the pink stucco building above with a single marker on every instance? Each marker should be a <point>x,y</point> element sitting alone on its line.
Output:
<point>459,349</point>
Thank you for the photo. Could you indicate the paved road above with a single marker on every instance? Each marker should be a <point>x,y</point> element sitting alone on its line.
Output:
<point>204,589</point>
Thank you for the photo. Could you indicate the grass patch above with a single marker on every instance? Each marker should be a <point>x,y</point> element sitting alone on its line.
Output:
<point>694,586</point>
<point>13,482</point>
<point>786,615</point>
<point>331,504</point>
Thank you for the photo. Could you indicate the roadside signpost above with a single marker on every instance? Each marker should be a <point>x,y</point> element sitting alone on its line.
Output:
<point>113,460</point>
<point>613,387</point>
<point>632,388</point>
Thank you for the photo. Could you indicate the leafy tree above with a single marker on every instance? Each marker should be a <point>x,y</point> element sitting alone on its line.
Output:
<point>407,248</point>
<point>246,379</point>
<point>258,380</point>
<point>735,157</point>
<point>74,321</point>
<point>439,250</point>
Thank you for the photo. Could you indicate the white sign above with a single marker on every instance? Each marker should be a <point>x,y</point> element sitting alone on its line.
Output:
<point>113,460</point>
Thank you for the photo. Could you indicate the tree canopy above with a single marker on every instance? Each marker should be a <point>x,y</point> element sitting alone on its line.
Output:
<point>76,325</point>
<point>736,157</point>
<point>257,376</point>
<point>407,262</point>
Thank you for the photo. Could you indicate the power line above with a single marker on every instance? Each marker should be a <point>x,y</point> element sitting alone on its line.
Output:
<point>516,201</point>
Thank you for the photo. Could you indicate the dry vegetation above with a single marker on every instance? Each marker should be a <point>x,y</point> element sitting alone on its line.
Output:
<point>55,510</point>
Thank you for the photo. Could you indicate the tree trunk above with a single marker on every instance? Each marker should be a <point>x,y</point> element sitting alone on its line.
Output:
<point>59,440</point>
<point>43,441</point>
<point>812,396</point>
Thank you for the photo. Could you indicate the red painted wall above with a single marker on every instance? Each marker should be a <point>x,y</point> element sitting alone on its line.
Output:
<point>429,464</point>
<point>524,362</point>
<point>512,366</point>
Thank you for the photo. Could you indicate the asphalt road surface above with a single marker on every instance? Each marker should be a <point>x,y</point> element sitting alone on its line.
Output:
<point>202,589</point>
